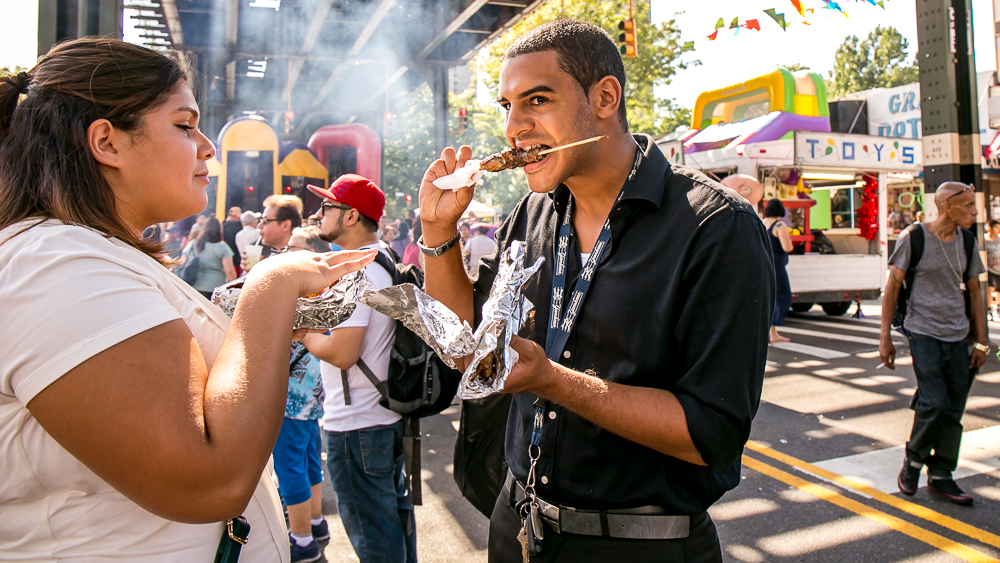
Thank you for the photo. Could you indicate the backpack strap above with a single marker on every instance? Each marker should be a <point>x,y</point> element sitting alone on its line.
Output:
<point>969,238</point>
<point>917,239</point>
<point>381,386</point>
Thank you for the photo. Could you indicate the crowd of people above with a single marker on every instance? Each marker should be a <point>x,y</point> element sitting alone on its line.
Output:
<point>146,435</point>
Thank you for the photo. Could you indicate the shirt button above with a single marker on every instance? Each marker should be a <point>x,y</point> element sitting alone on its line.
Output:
<point>545,480</point>
<point>552,415</point>
<point>567,354</point>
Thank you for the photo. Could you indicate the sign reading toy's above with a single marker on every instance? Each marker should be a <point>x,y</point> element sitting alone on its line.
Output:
<point>857,151</point>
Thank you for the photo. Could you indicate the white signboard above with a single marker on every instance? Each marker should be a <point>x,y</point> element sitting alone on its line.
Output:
<point>862,152</point>
<point>673,150</point>
<point>895,112</point>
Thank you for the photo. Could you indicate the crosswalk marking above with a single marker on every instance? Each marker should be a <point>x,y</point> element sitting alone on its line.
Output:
<point>832,336</point>
<point>816,351</point>
<point>845,326</point>
<point>878,469</point>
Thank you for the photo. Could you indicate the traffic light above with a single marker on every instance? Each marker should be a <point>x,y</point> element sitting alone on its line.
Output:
<point>463,120</point>
<point>627,38</point>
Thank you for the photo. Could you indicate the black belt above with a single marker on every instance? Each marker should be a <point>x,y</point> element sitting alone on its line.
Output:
<point>643,523</point>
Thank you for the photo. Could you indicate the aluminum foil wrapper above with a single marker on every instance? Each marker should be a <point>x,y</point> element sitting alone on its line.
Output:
<point>504,313</point>
<point>321,312</point>
<point>427,317</point>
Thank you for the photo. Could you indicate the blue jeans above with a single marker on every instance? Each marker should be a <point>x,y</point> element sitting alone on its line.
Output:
<point>943,383</point>
<point>366,469</point>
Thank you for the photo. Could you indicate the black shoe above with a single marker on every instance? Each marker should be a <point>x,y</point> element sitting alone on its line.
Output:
<point>321,531</point>
<point>949,489</point>
<point>908,477</point>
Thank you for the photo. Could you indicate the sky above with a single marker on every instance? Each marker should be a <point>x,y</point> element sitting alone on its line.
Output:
<point>733,59</point>
<point>727,60</point>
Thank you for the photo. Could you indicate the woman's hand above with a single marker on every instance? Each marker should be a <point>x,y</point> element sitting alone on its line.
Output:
<point>440,209</point>
<point>309,272</point>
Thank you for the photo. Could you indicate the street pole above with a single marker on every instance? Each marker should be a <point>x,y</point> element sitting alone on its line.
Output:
<point>949,108</point>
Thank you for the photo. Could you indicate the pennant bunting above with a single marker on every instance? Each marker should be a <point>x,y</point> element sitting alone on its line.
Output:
<point>720,24</point>
<point>798,7</point>
<point>778,18</point>
<point>714,35</point>
<point>751,24</point>
<point>880,4</point>
<point>735,23</point>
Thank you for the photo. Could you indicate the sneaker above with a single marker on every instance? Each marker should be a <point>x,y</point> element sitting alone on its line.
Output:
<point>908,477</point>
<point>949,489</point>
<point>321,531</point>
<point>306,554</point>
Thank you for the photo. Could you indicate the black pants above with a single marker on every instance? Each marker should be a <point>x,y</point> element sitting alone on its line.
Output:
<point>701,546</point>
<point>943,383</point>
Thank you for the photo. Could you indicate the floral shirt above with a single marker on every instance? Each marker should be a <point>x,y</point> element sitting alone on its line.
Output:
<point>305,386</point>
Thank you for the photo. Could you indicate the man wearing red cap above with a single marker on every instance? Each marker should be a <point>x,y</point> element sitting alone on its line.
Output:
<point>364,440</point>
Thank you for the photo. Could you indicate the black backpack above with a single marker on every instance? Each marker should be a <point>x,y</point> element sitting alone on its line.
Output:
<point>419,383</point>
<point>917,238</point>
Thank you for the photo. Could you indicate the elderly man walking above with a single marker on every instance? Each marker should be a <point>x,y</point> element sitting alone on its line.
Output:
<point>940,265</point>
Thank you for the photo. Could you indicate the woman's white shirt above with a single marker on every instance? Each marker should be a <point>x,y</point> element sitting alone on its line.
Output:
<point>68,293</point>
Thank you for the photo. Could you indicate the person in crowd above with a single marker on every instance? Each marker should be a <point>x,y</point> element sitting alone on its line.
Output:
<point>131,443</point>
<point>172,243</point>
<point>232,225</point>
<point>993,264</point>
<point>479,245</point>
<point>282,214</point>
<point>411,255</point>
<point>215,259</point>
<point>781,245</point>
<point>466,232</point>
<point>153,233</point>
<point>642,398</point>
<point>401,240</point>
<point>313,220</point>
<point>411,219</point>
<point>364,439</point>
<point>297,452</point>
<point>199,222</point>
<point>248,234</point>
<point>939,333</point>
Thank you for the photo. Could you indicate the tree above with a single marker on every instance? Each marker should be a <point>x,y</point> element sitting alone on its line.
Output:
<point>408,147</point>
<point>880,61</point>
<point>795,67</point>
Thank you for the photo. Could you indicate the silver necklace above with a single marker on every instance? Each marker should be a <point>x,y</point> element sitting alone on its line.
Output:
<point>957,257</point>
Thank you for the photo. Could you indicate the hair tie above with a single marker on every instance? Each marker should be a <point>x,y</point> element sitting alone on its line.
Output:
<point>19,81</point>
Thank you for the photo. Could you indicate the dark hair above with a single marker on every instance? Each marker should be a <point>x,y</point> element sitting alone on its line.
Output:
<point>774,208</point>
<point>287,208</point>
<point>369,224</point>
<point>586,52</point>
<point>992,223</point>
<point>403,229</point>
<point>46,167</point>
<point>211,231</point>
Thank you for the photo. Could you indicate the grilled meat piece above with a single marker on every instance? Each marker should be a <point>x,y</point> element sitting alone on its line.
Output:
<point>510,159</point>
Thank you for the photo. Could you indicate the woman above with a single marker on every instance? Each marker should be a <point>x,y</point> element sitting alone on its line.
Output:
<point>135,418</point>
<point>781,245</point>
<point>215,258</point>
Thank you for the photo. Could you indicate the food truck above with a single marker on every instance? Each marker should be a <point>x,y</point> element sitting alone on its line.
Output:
<point>846,195</point>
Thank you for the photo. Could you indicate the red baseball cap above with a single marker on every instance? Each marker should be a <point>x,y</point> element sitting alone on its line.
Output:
<point>356,191</point>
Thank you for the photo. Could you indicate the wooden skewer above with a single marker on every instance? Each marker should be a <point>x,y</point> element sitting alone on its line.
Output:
<point>583,142</point>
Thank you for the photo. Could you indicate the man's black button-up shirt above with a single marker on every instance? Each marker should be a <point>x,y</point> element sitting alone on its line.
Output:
<point>681,301</point>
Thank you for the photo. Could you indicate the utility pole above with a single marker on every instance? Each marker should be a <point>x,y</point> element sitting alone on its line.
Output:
<point>949,104</point>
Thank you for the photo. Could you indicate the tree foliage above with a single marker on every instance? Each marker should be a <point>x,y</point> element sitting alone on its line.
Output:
<point>408,147</point>
<point>878,61</point>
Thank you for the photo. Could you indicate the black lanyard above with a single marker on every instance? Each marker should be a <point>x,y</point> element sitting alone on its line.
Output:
<point>561,324</point>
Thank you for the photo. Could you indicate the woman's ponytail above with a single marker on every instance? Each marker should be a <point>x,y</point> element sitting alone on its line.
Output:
<point>11,89</point>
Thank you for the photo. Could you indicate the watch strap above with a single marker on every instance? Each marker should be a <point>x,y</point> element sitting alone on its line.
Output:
<point>439,250</point>
<point>981,347</point>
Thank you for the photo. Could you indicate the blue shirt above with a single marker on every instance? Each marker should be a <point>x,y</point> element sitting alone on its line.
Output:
<point>305,386</point>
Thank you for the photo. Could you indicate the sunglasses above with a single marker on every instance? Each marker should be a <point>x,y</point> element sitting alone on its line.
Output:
<point>327,205</point>
<point>265,220</point>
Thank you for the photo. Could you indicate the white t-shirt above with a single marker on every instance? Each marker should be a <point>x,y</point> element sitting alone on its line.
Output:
<point>364,410</point>
<point>248,235</point>
<point>68,293</point>
<point>477,247</point>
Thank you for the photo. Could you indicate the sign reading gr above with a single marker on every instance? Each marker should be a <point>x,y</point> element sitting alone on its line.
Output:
<point>857,151</point>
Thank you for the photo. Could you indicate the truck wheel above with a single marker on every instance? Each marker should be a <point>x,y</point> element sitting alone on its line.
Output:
<point>802,307</point>
<point>836,309</point>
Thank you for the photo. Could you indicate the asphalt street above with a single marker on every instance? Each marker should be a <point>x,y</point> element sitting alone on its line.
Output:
<point>818,474</point>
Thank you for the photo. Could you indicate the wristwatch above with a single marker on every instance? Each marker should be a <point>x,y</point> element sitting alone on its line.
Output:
<point>982,348</point>
<point>439,250</point>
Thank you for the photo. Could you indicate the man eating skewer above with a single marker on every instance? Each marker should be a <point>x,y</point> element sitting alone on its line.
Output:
<point>639,378</point>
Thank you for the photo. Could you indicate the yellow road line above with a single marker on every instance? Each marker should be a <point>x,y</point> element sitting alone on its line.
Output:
<point>895,502</point>
<point>961,551</point>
